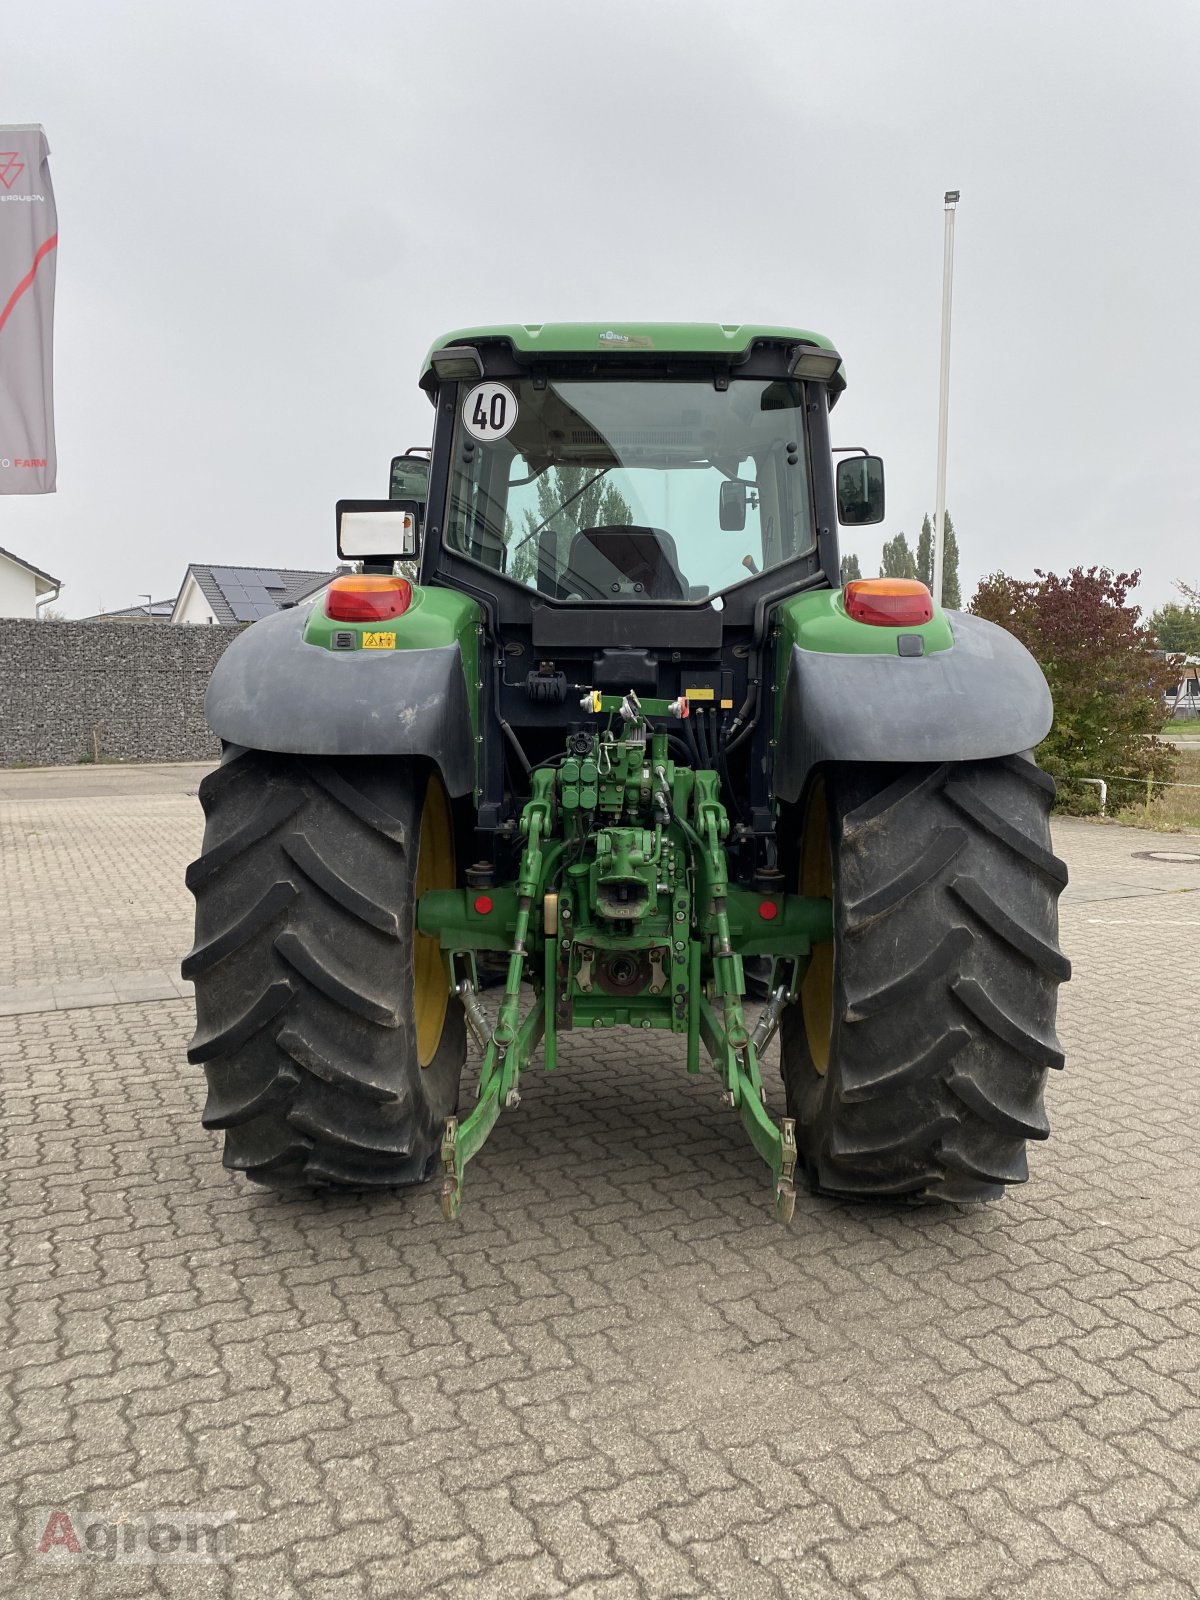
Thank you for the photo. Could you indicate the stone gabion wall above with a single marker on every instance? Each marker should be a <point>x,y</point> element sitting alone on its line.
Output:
<point>135,690</point>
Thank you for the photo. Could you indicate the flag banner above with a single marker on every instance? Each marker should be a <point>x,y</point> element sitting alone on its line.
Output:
<point>28,241</point>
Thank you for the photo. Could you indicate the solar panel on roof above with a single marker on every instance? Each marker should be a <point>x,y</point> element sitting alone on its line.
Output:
<point>244,611</point>
<point>272,580</point>
<point>257,595</point>
<point>224,575</point>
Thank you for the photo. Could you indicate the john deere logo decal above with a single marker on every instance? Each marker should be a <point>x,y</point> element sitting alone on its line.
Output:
<point>625,341</point>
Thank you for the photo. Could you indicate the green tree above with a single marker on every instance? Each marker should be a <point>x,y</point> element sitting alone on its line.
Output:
<point>1107,685</point>
<point>951,593</point>
<point>898,560</point>
<point>850,569</point>
<point>1176,627</point>
<point>601,504</point>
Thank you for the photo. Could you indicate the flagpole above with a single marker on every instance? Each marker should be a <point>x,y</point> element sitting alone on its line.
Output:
<point>939,524</point>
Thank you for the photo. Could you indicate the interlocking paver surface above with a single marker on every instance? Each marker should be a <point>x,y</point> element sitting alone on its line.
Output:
<point>617,1377</point>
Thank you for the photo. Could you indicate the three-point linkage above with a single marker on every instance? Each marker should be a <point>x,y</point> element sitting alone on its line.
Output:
<point>623,915</point>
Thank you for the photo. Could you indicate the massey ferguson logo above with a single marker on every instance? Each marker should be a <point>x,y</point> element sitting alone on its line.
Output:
<point>11,168</point>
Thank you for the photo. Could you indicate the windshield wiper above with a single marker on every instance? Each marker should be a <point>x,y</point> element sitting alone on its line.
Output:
<point>533,533</point>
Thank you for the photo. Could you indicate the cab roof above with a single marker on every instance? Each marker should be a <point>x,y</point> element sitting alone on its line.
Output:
<point>731,340</point>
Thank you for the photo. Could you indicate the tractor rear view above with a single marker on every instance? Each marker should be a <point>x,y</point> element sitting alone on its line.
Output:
<point>624,736</point>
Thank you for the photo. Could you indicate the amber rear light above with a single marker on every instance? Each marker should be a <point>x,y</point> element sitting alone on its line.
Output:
<point>888,602</point>
<point>367,597</point>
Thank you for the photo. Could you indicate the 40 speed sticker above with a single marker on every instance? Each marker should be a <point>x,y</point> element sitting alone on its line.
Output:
<point>489,411</point>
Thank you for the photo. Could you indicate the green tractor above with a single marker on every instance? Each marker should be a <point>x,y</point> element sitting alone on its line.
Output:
<point>593,736</point>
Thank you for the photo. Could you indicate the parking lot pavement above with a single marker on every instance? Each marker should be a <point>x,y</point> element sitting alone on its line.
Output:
<point>92,872</point>
<point>617,1377</point>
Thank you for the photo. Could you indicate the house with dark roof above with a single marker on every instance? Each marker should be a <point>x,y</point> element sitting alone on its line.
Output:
<point>24,587</point>
<point>152,611</point>
<point>241,594</point>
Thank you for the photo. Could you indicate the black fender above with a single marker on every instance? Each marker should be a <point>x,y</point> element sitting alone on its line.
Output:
<point>271,691</point>
<point>984,696</point>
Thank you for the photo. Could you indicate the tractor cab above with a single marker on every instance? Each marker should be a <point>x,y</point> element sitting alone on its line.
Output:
<point>550,442</point>
<point>627,506</point>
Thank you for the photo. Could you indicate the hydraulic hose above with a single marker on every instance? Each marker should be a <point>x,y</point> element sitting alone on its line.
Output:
<point>740,738</point>
<point>698,718</point>
<point>516,745</point>
<point>689,734</point>
<point>723,769</point>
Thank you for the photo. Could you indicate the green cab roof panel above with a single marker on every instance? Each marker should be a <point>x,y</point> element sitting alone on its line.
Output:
<point>730,339</point>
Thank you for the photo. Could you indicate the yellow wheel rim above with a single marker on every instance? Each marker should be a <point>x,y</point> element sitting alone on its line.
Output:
<point>816,878</point>
<point>435,870</point>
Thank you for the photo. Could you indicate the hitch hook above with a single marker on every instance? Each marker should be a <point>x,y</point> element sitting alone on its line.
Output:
<point>451,1196</point>
<point>785,1189</point>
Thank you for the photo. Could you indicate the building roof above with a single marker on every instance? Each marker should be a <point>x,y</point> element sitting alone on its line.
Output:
<point>244,594</point>
<point>156,611</point>
<point>322,581</point>
<point>29,567</point>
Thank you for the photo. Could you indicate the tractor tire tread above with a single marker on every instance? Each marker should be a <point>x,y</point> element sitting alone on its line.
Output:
<point>944,987</point>
<point>321,872</point>
<point>231,939</point>
<point>305,1025</point>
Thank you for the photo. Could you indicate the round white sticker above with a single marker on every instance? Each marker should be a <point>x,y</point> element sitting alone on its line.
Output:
<point>489,411</point>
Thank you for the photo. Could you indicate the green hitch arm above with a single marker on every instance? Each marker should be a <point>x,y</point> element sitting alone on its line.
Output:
<point>710,818</point>
<point>513,1041</point>
<point>733,1042</point>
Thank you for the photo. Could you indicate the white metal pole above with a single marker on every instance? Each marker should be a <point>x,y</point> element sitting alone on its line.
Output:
<point>939,521</point>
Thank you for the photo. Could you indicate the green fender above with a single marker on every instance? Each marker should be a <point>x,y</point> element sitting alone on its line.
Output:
<point>284,685</point>
<point>848,693</point>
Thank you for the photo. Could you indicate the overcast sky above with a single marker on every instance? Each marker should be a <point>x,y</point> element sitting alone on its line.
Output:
<point>267,211</point>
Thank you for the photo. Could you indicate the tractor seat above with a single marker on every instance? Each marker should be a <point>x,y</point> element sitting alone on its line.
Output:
<point>625,556</point>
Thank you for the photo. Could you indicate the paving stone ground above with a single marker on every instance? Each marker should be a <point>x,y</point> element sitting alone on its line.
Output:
<point>617,1377</point>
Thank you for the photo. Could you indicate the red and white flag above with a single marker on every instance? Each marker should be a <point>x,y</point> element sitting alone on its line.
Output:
<point>28,241</point>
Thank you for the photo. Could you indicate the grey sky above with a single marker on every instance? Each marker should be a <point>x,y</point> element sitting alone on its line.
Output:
<point>267,211</point>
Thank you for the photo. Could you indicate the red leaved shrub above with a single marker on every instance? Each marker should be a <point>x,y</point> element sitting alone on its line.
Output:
<point>1107,685</point>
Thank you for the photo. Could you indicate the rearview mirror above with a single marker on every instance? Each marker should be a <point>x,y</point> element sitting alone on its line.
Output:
<point>733,506</point>
<point>378,530</point>
<point>409,478</point>
<point>860,491</point>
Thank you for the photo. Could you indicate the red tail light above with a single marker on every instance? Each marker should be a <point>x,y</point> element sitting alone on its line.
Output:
<point>367,597</point>
<point>888,602</point>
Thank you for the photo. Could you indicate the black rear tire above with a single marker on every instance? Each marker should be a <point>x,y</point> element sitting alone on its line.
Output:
<point>915,1058</point>
<point>327,1032</point>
